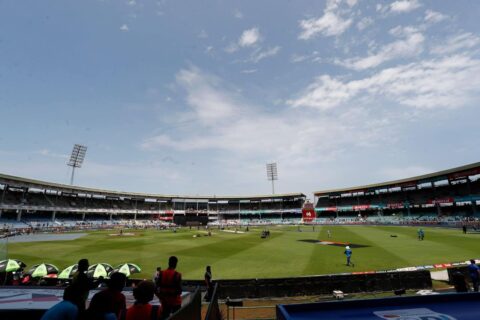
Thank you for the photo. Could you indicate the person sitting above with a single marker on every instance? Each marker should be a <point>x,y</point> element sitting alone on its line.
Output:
<point>109,303</point>
<point>142,309</point>
<point>65,310</point>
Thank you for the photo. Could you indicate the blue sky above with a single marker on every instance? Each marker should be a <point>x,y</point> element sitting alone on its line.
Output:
<point>194,97</point>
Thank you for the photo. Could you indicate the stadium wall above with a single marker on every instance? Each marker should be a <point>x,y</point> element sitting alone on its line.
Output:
<point>319,285</point>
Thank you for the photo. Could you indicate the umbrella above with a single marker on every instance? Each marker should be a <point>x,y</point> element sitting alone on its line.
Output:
<point>11,265</point>
<point>99,270</point>
<point>41,270</point>
<point>127,269</point>
<point>68,272</point>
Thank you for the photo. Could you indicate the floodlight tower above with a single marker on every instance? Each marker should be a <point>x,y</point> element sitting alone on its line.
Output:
<point>76,159</point>
<point>272,174</point>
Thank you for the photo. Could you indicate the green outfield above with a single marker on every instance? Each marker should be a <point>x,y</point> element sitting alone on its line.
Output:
<point>286,253</point>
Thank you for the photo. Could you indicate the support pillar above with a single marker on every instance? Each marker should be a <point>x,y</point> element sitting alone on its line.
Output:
<point>439,210</point>
<point>53,216</point>
<point>135,216</point>
<point>1,213</point>
<point>111,215</point>
<point>474,207</point>
<point>19,215</point>
<point>83,216</point>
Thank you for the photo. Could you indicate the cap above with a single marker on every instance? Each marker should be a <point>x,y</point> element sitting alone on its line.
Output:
<point>347,247</point>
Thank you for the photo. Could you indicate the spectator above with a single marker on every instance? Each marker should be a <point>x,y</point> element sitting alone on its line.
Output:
<point>109,303</point>
<point>474,271</point>
<point>170,288</point>
<point>82,284</point>
<point>208,283</point>
<point>459,283</point>
<point>142,309</point>
<point>157,274</point>
<point>65,310</point>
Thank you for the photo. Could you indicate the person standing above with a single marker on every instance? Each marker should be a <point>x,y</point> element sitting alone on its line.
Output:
<point>156,274</point>
<point>464,228</point>
<point>208,283</point>
<point>348,254</point>
<point>329,234</point>
<point>170,288</point>
<point>474,272</point>
<point>81,285</point>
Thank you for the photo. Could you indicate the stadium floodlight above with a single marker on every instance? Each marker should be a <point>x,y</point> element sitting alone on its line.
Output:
<point>272,174</point>
<point>76,159</point>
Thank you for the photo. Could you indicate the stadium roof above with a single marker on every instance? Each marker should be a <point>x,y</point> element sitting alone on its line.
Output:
<point>20,182</point>
<point>450,174</point>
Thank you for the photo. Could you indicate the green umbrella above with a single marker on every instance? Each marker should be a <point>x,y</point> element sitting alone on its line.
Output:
<point>99,270</point>
<point>68,272</point>
<point>11,265</point>
<point>41,270</point>
<point>127,269</point>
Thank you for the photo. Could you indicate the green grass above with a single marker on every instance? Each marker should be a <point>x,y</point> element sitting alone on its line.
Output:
<point>234,256</point>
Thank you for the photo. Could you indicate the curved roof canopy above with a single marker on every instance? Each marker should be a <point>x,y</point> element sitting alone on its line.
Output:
<point>20,182</point>
<point>449,174</point>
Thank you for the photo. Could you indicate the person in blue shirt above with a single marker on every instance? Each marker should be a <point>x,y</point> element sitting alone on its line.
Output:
<point>65,310</point>
<point>421,234</point>
<point>348,254</point>
<point>474,271</point>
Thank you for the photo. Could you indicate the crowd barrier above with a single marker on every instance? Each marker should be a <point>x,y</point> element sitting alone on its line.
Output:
<point>318,285</point>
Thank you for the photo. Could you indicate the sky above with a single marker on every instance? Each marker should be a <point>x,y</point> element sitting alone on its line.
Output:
<point>195,97</point>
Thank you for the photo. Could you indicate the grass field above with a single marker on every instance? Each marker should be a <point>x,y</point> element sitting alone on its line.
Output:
<point>246,255</point>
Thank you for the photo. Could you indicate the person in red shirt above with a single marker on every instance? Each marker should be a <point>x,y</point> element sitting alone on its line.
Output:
<point>109,301</point>
<point>170,288</point>
<point>142,309</point>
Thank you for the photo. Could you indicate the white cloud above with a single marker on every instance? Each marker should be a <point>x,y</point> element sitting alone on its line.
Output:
<point>261,54</point>
<point>132,3</point>
<point>245,131</point>
<point>295,58</point>
<point>364,23</point>
<point>248,71</point>
<point>451,82</point>
<point>330,24</point>
<point>411,45</point>
<point>231,48</point>
<point>124,28</point>
<point>203,34</point>
<point>249,37</point>
<point>209,50</point>
<point>205,98</point>
<point>238,14</point>
<point>434,16</point>
<point>48,153</point>
<point>404,6</point>
<point>455,43</point>
<point>351,3</point>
